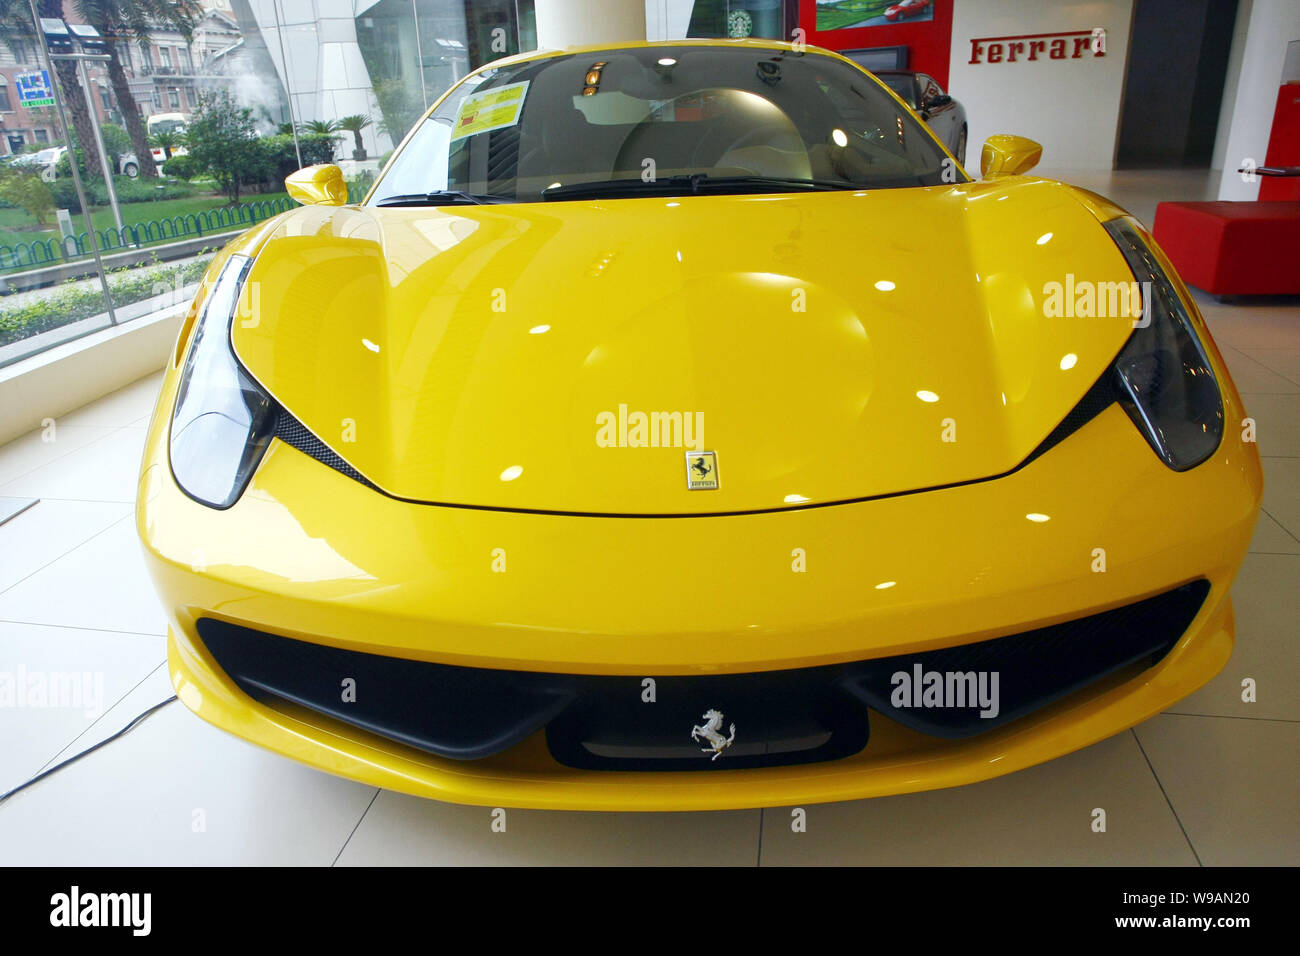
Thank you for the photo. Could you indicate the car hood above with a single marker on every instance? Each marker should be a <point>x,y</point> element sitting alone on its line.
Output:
<point>827,346</point>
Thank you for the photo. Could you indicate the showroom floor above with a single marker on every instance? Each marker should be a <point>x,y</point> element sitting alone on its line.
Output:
<point>1213,781</point>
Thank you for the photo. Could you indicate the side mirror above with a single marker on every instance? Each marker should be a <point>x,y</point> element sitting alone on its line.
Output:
<point>320,185</point>
<point>937,101</point>
<point>1007,155</point>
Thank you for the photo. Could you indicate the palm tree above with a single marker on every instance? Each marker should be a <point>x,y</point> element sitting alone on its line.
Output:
<point>166,140</point>
<point>355,124</point>
<point>134,20</point>
<point>16,24</point>
<point>319,127</point>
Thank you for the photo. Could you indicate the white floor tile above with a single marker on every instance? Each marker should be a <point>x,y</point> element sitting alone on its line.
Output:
<point>177,791</point>
<point>38,448</point>
<point>1233,784</point>
<point>105,470</point>
<point>1276,418</point>
<point>407,831</point>
<point>1284,362</point>
<point>1272,538</point>
<point>1266,604</point>
<point>1040,815</point>
<point>1252,376</point>
<point>126,406</point>
<point>55,682</point>
<point>101,584</point>
<point>1282,492</point>
<point>47,531</point>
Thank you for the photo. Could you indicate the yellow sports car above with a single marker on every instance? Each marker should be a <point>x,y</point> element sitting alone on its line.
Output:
<point>678,426</point>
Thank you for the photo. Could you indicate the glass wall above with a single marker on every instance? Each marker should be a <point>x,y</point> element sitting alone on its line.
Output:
<point>182,134</point>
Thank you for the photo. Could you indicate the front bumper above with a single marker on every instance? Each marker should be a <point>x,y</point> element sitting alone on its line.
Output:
<point>308,553</point>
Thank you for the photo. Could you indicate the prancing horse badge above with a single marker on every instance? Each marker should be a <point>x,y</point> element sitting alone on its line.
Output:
<point>702,470</point>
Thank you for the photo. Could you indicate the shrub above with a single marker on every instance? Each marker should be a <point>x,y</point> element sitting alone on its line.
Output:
<point>72,304</point>
<point>24,189</point>
<point>182,167</point>
<point>64,191</point>
<point>223,141</point>
<point>280,158</point>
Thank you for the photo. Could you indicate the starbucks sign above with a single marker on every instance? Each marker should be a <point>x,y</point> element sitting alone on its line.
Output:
<point>739,24</point>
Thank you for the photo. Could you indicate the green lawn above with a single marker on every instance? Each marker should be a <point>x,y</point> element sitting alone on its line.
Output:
<point>16,225</point>
<point>833,16</point>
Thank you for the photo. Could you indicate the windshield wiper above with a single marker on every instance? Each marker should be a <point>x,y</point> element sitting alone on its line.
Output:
<point>441,197</point>
<point>693,184</point>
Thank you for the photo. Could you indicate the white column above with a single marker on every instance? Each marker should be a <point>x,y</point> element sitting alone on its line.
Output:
<point>1270,25</point>
<point>562,23</point>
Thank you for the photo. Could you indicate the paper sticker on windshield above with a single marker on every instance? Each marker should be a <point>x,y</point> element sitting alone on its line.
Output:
<point>491,109</point>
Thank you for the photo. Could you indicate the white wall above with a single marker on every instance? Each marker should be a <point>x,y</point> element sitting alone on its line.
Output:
<point>667,19</point>
<point>562,23</point>
<point>1070,106</point>
<point>1235,56</point>
<point>1271,27</point>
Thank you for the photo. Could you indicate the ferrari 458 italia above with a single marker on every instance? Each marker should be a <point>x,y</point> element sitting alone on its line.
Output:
<point>679,426</point>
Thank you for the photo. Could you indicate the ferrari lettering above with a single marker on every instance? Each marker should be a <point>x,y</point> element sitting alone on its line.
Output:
<point>1071,45</point>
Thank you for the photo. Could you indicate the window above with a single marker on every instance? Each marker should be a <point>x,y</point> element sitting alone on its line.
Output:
<point>165,57</point>
<point>106,97</point>
<point>731,114</point>
<point>42,135</point>
<point>174,99</point>
<point>4,96</point>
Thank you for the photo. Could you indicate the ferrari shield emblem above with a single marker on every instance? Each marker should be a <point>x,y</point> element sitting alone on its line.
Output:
<point>702,470</point>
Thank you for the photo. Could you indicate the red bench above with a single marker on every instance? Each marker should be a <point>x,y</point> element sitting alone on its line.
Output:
<point>1233,248</point>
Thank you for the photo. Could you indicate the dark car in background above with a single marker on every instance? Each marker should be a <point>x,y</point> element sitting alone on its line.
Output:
<point>945,115</point>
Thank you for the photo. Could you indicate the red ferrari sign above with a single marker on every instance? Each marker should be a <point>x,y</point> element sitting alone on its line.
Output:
<point>1069,45</point>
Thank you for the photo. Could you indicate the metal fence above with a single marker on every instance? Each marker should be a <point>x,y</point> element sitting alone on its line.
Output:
<point>44,252</point>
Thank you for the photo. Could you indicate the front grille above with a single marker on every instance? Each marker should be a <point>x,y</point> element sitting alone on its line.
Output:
<point>780,717</point>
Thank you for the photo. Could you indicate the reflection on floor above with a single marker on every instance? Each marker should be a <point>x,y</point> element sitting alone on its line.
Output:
<point>1214,781</point>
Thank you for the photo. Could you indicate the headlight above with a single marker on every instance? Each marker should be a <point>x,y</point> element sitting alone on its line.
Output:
<point>1166,383</point>
<point>222,420</point>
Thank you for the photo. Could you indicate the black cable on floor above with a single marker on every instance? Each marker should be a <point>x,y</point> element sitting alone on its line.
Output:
<point>89,750</point>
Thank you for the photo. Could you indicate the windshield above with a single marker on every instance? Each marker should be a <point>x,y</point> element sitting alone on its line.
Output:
<point>157,126</point>
<point>636,118</point>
